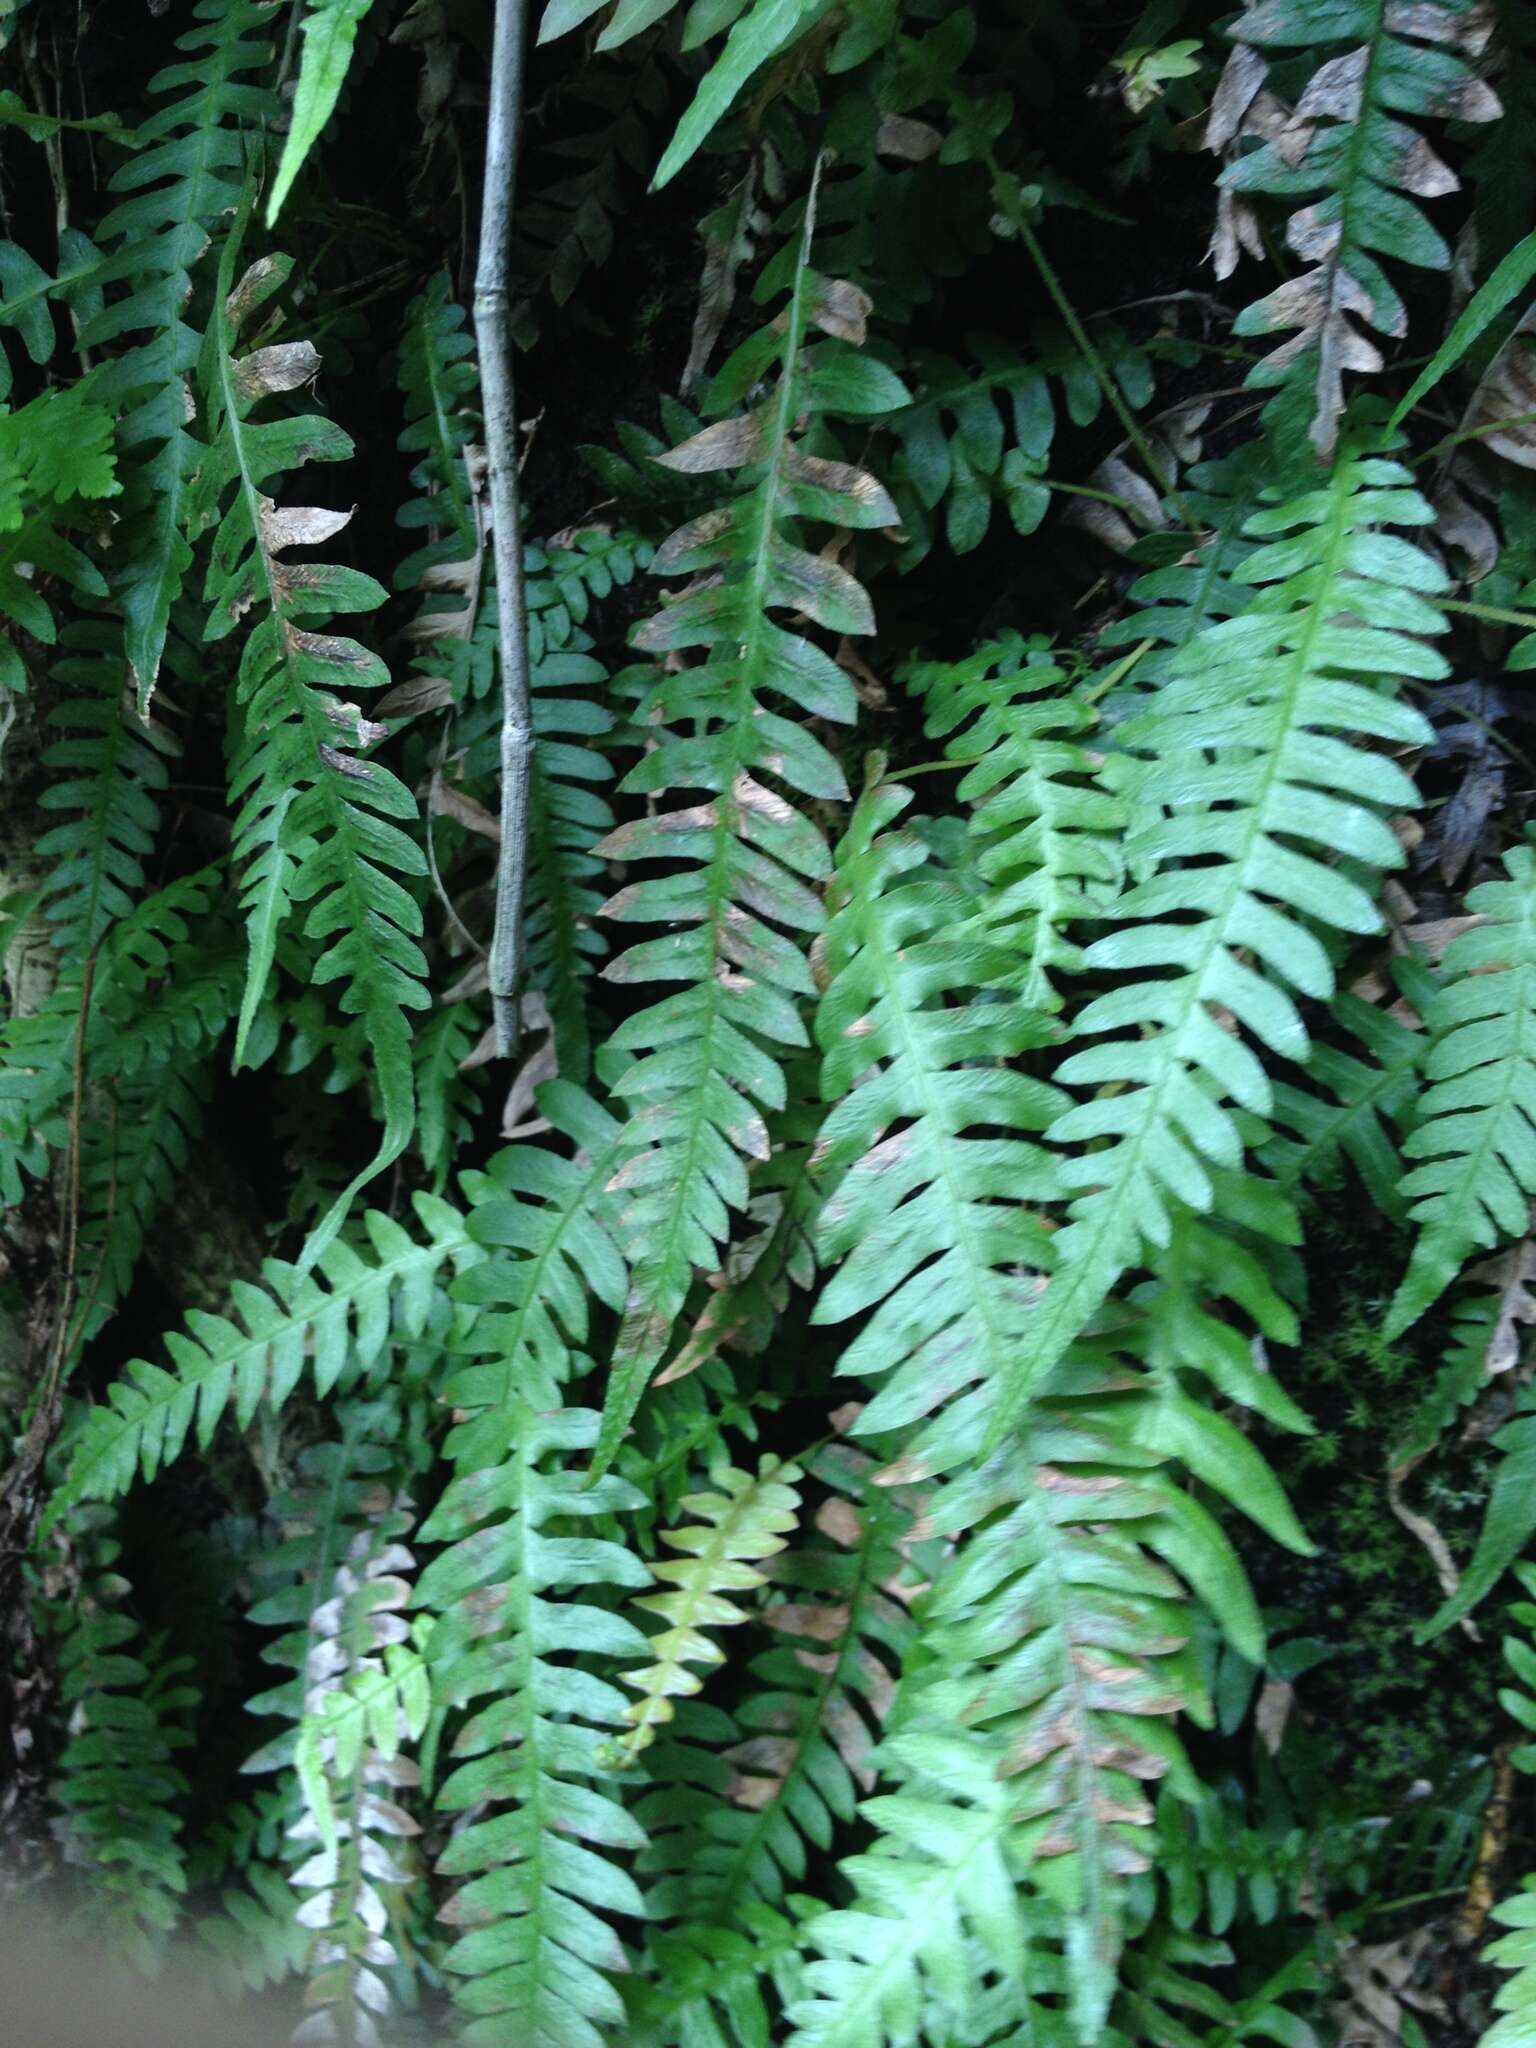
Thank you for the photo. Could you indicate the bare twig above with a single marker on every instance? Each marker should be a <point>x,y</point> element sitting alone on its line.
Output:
<point>501,449</point>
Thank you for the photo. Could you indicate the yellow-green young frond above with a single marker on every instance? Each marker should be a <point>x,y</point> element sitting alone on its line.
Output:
<point>744,1521</point>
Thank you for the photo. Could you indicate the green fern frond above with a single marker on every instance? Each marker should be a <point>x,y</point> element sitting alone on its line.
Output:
<point>1284,819</point>
<point>338,1565</point>
<point>1047,822</point>
<point>109,770</point>
<point>813,1718</point>
<point>938,1912</point>
<point>743,1304</point>
<point>318,824</point>
<point>160,987</point>
<point>741,1520</point>
<point>1515,1999</point>
<point>1177,602</point>
<point>1373,1098</point>
<point>176,191</point>
<point>445,1095</point>
<point>133,1159</point>
<point>713,1984</point>
<point>56,458</point>
<point>1360,175</point>
<point>555,1213</point>
<point>1476,1138</point>
<point>978,434</point>
<point>26,290</point>
<point>117,1779</point>
<point>336,1321</point>
<point>742,862</point>
<point>528,1774</point>
<point>932,1224</point>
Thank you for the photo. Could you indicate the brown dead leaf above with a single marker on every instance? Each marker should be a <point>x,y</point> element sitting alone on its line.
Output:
<point>1512,1275</point>
<point>447,800</point>
<point>726,444</point>
<point>284,366</point>
<point>298,526</point>
<point>913,141</point>
<point>842,310</point>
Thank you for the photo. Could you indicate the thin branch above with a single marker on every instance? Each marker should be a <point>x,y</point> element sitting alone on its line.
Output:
<point>500,410</point>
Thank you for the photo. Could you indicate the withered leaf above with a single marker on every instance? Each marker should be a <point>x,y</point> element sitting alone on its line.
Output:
<point>726,444</point>
<point>284,366</point>
<point>899,135</point>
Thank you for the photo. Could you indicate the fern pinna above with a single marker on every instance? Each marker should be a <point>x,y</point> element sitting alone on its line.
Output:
<point>792,1514</point>
<point>707,1060</point>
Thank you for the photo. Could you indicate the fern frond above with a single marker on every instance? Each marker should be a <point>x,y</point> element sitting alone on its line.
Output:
<point>1269,817</point>
<point>1476,1139</point>
<point>1373,1097</point>
<point>56,457</point>
<point>1515,1999</point>
<point>740,1520</point>
<point>938,1910</point>
<point>318,824</point>
<point>176,190</point>
<point>338,1564</point>
<point>117,1779</point>
<point>133,1158</point>
<point>532,1943</point>
<point>1360,174</point>
<point>1048,825</point>
<point>26,290</point>
<point>931,1225</point>
<point>813,1717</point>
<point>741,862</point>
<point>713,1983</point>
<point>337,1321</point>
<point>109,770</point>
<point>156,991</point>
<point>1178,601</point>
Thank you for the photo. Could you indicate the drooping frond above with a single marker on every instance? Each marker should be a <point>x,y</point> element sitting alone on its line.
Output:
<point>160,987</point>
<point>1288,825</point>
<point>176,190</point>
<point>1359,173</point>
<point>56,461</point>
<point>1371,1095</point>
<point>1515,1999</point>
<point>318,824</point>
<point>109,772</point>
<point>118,1782</point>
<point>1047,821</point>
<point>1477,1135</point>
<point>518,1602</point>
<point>336,1321</point>
<point>357,1693</point>
<point>742,862</point>
<point>932,1225</point>
<point>740,1520</point>
<point>823,1693</point>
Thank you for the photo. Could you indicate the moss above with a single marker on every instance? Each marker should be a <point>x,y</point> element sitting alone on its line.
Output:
<point>1391,1710</point>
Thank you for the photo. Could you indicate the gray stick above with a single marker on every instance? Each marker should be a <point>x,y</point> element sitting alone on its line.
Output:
<point>506,535</point>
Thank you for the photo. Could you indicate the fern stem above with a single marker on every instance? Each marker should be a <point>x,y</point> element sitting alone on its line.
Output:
<point>496,383</point>
<point>1018,215</point>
